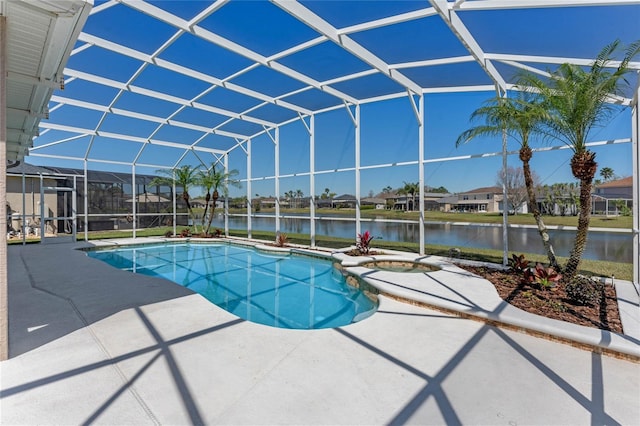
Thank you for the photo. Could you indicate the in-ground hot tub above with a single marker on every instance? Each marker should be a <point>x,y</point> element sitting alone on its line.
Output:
<point>399,265</point>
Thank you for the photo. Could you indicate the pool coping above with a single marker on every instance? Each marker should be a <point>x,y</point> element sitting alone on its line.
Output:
<point>456,291</point>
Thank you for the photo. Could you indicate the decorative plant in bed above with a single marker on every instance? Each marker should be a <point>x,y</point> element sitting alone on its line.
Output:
<point>542,290</point>
<point>363,245</point>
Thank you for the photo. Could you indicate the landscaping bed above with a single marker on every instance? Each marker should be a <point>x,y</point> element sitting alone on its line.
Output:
<point>553,303</point>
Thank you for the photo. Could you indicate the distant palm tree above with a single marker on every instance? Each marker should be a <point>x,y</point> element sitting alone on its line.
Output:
<point>299,195</point>
<point>606,173</point>
<point>212,179</point>
<point>578,101</point>
<point>184,177</point>
<point>519,118</point>
<point>411,188</point>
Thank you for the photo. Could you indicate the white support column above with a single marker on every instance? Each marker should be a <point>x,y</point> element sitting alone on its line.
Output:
<point>277,177</point>
<point>505,200</point>
<point>635,116</point>
<point>249,209</point>
<point>74,209</point>
<point>86,202</point>
<point>4,307</point>
<point>174,202</point>
<point>43,225</point>
<point>133,195</point>
<point>357,137</point>
<point>24,209</point>
<point>312,181</point>
<point>226,199</point>
<point>421,165</point>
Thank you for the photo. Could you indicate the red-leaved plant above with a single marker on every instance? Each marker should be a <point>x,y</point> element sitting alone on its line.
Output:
<point>545,277</point>
<point>518,263</point>
<point>363,244</point>
<point>282,240</point>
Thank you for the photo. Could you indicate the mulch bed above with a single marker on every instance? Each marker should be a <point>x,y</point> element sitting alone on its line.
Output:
<point>553,303</point>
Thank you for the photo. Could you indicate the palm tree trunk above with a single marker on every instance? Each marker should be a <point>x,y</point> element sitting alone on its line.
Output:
<point>185,197</point>
<point>214,198</point>
<point>583,166</point>
<point>206,208</point>
<point>525,156</point>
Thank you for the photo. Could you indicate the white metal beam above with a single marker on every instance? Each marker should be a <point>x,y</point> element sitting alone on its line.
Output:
<point>389,20</point>
<point>112,135</point>
<point>434,62</point>
<point>530,4</point>
<point>249,193</point>
<point>635,184</point>
<point>460,30</point>
<point>421,182</point>
<point>162,63</point>
<point>323,27</point>
<point>211,37</point>
<point>555,60</point>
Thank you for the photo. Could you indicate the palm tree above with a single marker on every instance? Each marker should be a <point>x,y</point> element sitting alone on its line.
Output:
<point>212,179</point>
<point>519,118</point>
<point>289,195</point>
<point>411,188</point>
<point>578,100</point>
<point>299,195</point>
<point>205,179</point>
<point>184,177</point>
<point>606,173</point>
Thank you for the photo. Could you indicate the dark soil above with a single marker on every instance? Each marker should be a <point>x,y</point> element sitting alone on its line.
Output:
<point>553,303</point>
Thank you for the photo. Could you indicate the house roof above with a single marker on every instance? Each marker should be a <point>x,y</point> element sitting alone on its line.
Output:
<point>451,199</point>
<point>484,190</point>
<point>93,175</point>
<point>618,183</point>
<point>345,197</point>
<point>373,200</point>
<point>28,169</point>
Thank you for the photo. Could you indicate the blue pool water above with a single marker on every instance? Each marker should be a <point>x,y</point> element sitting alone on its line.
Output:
<point>287,291</point>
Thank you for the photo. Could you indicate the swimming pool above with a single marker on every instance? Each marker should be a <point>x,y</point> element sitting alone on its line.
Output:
<point>280,290</point>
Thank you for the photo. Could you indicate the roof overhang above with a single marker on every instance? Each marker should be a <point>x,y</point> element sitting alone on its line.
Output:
<point>40,36</point>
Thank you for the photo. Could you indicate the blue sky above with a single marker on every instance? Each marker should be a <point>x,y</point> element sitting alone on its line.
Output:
<point>389,131</point>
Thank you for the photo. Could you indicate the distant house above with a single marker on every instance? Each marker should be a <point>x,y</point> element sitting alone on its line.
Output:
<point>378,203</point>
<point>616,189</point>
<point>479,200</point>
<point>265,202</point>
<point>448,203</point>
<point>406,202</point>
<point>610,197</point>
<point>344,201</point>
<point>197,203</point>
<point>432,200</point>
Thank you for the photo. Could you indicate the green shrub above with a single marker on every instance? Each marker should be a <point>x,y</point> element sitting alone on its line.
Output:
<point>584,291</point>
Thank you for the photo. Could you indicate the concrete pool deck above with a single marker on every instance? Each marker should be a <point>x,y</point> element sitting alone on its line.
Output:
<point>92,344</point>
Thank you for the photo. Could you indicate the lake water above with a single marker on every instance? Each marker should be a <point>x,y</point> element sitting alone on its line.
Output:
<point>610,246</point>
